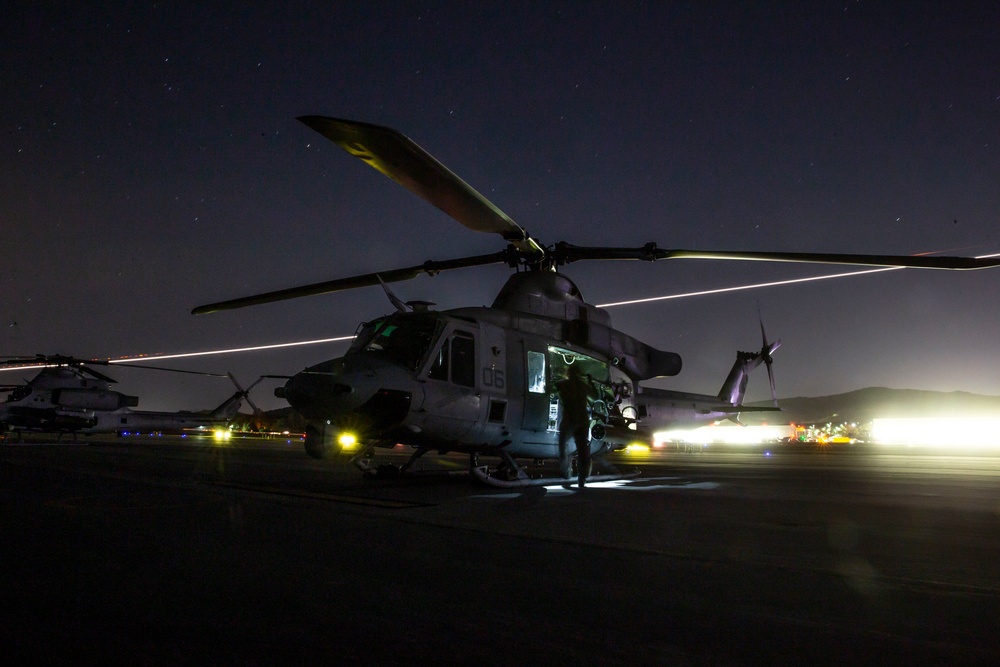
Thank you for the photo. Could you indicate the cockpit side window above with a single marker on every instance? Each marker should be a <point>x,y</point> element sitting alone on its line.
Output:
<point>439,369</point>
<point>456,360</point>
<point>364,334</point>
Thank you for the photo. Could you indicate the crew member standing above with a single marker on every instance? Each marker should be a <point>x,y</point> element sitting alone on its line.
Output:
<point>575,393</point>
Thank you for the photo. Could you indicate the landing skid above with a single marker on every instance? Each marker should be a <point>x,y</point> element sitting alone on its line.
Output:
<point>365,462</point>
<point>509,474</point>
<point>522,479</point>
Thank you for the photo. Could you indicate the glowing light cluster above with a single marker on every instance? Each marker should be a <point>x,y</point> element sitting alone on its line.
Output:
<point>726,434</point>
<point>952,433</point>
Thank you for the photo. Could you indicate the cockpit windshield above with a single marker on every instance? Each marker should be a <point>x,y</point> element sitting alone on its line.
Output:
<point>401,337</point>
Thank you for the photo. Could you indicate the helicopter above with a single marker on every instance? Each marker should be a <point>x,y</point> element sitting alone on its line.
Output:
<point>479,380</point>
<point>68,395</point>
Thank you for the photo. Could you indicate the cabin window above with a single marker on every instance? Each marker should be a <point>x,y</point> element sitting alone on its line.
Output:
<point>536,372</point>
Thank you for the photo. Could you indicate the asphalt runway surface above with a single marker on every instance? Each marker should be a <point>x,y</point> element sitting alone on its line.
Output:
<point>181,551</point>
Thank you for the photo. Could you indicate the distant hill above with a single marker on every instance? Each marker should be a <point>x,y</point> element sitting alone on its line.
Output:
<point>864,405</point>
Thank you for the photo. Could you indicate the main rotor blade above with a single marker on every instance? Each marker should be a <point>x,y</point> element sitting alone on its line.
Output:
<point>58,360</point>
<point>147,367</point>
<point>399,158</point>
<point>397,275</point>
<point>93,373</point>
<point>565,253</point>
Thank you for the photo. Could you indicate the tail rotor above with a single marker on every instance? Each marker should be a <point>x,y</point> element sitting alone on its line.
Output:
<point>766,350</point>
<point>245,393</point>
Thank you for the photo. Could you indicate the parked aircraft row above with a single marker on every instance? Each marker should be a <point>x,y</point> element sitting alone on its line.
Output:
<point>69,396</point>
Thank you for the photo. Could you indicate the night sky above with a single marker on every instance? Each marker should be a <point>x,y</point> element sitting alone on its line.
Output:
<point>151,162</point>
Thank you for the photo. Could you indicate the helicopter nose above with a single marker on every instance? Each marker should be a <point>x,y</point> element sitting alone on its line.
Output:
<point>316,395</point>
<point>309,384</point>
<point>296,387</point>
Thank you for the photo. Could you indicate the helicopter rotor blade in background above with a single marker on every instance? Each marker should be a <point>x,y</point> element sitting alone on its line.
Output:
<point>55,360</point>
<point>164,368</point>
<point>93,373</point>
<point>399,158</point>
<point>365,280</point>
<point>85,365</point>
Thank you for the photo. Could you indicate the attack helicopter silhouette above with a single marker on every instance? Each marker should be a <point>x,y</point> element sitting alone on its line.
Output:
<point>69,396</point>
<point>480,380</point>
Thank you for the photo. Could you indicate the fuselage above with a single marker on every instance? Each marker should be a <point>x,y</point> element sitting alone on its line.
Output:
<point>482,379</point>
<point>472,379</point>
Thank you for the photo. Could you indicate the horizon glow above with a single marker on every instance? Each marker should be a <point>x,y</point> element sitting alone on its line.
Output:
<point>975,432</point>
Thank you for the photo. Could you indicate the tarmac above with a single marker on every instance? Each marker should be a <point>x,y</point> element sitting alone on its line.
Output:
<point>180,551</point>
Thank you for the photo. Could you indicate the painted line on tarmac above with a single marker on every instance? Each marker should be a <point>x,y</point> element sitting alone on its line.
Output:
<point>333,497</point>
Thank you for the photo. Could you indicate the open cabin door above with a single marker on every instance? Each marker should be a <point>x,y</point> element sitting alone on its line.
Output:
<point>544,366</point>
